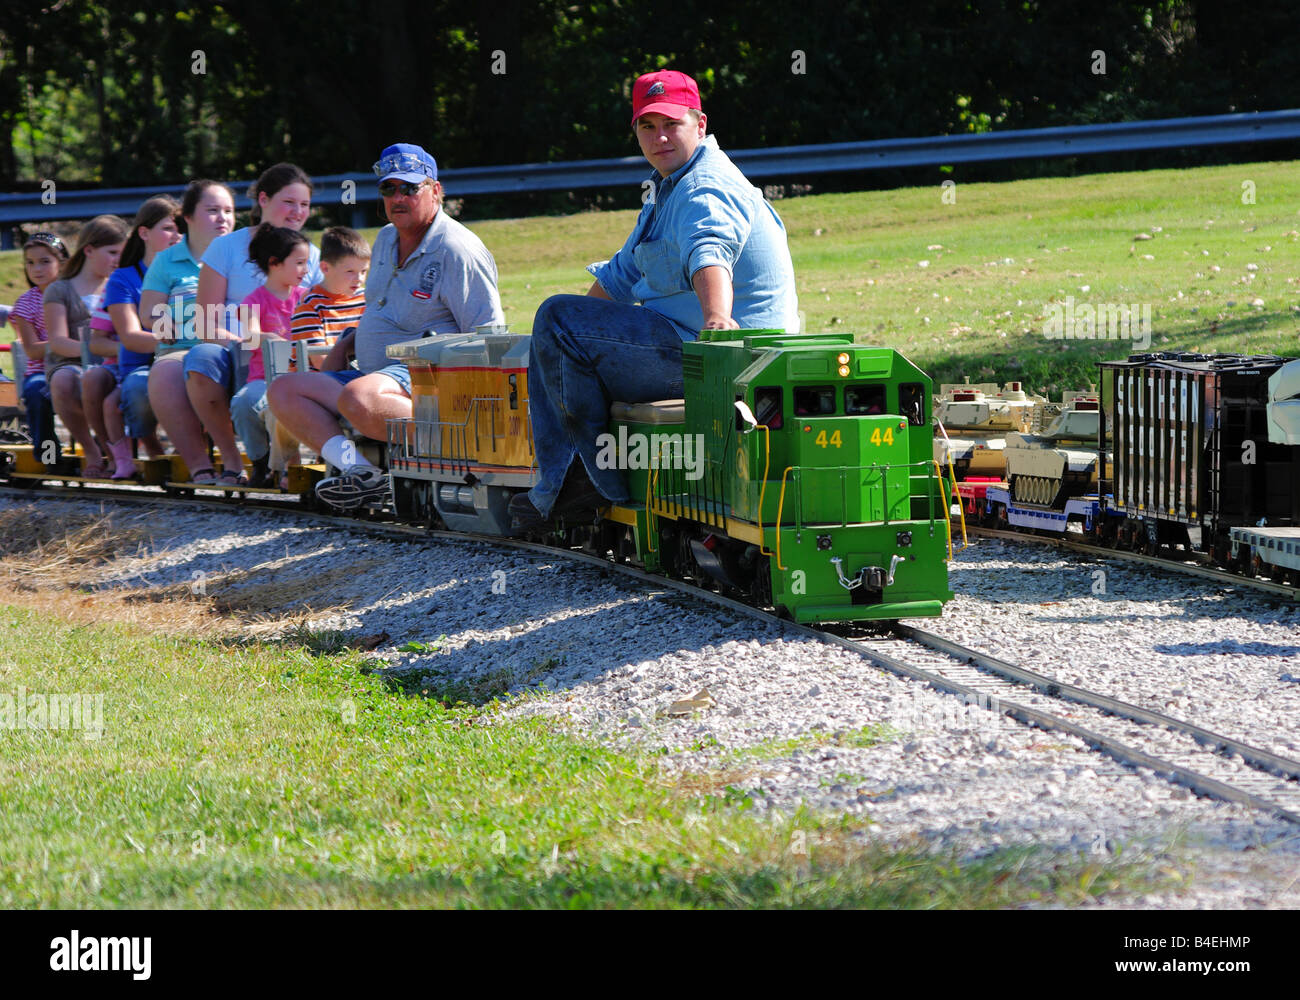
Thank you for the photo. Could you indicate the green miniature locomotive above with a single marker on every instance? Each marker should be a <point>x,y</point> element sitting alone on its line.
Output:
<point>798,470</point>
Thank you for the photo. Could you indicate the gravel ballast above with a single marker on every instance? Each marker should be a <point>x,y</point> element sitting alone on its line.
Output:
<point>801,724</point>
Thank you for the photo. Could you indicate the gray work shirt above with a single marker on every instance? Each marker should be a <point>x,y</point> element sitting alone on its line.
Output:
<point>447,285</point>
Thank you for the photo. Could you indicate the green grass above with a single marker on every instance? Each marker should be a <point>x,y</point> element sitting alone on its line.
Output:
<point>857,264</point>
<point>288,774</point>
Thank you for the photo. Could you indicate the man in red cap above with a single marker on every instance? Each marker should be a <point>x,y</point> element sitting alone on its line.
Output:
<point>707,253</point>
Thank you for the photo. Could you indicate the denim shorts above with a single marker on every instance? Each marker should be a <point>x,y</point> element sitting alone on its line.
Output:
<point>399,373</point>
<point>211,360</point>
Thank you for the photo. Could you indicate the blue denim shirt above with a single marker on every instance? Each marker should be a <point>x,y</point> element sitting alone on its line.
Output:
<point>706,213</point>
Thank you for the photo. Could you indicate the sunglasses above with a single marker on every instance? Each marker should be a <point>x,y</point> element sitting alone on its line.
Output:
<point>390,188</point>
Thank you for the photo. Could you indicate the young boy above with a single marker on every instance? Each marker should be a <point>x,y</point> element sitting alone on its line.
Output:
<point>334,306</point>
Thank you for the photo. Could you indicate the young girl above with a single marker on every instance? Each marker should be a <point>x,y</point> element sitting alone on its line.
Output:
<point>43,255</point>
<point>283,256</point>
<point>153,230</point>
<point>282,197</point>
<point>167,313</point>
<point>69,303</point>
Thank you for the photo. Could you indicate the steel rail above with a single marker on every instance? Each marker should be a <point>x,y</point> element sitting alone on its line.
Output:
<point>1261,759</point>
<point>1206,572</point>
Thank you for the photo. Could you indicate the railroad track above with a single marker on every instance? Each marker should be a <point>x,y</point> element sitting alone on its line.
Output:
<point>1191,568</point>
<point>1207,763</point>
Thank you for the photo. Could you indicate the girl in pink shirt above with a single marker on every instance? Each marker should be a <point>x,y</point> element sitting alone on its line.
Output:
<point>283,255</point>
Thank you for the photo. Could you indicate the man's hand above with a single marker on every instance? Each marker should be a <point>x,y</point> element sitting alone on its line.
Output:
<point>340,353</point>
<point>713,286</point>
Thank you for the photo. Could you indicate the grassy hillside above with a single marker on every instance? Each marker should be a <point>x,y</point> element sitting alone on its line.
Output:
<point>965,287</point>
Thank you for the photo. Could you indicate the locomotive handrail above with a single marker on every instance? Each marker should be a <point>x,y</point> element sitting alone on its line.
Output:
<point>780,519</point>
<point>472,414</point>
<point>650,482</point>
<point>762,491</point>
<point>961,511</point>
<point>947,508</point>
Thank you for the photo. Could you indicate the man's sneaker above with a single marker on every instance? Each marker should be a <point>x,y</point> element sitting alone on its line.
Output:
<point>355,486</point>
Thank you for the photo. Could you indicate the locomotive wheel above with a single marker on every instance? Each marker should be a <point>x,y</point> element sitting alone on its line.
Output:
<point>685,559</point>
<point>432,522</point>
<point>669,552</point>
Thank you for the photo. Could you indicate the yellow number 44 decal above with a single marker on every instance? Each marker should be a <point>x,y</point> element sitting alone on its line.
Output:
<point>887,438</point>
<point>835,440</point>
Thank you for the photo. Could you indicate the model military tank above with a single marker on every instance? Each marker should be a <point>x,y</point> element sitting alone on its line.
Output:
<point>975,420</point>
<point>1060,462</point>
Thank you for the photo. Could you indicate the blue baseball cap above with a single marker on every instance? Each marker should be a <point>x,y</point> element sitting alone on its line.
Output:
<point>406,162</point>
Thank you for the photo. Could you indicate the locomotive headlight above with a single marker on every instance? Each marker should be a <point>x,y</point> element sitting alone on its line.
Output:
<point>843,358</point>
<point>844,371</point>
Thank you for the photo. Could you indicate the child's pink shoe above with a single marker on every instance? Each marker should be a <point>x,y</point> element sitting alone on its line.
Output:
<point>124,464</point>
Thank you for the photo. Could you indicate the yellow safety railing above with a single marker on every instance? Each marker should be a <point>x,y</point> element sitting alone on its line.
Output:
<point>762,494</point>
<point>947,508</point>
<point>650,480</point>
<point>965,541</point>
<point>780,519</point>
<point>961,507</point>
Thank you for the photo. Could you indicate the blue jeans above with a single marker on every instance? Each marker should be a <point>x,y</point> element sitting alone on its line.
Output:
<point>134,404</point>
<point>246,409</point>
<point>586,353</point>
<point>40,412</point>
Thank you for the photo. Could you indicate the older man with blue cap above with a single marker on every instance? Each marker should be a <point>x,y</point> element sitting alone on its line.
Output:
<point>428,273</point>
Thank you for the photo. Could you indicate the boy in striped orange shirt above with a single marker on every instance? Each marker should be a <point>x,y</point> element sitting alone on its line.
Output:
<point>334,305</point>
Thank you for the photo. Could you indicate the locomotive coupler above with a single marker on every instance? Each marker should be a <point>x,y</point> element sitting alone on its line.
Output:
<point>873,576</point>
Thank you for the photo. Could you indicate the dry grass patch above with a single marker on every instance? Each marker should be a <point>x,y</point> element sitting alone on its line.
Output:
<point>55,562</point>
<point>36,542</point>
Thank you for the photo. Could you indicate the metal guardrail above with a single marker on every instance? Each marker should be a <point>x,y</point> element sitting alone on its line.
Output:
<point>358,189</point>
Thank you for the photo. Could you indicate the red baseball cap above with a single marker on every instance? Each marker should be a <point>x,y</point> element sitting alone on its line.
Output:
<point>667,92</point>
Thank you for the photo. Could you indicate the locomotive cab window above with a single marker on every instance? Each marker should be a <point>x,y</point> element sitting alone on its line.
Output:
<point>814,401</point>
<point>862,400</point>
<point>911,402</point>
<point>767,407</point>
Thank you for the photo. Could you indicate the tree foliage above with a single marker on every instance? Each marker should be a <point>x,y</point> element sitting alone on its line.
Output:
<point>96,94</point>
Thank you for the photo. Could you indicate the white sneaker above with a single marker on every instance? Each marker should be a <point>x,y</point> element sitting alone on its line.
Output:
<point>356,485</point>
